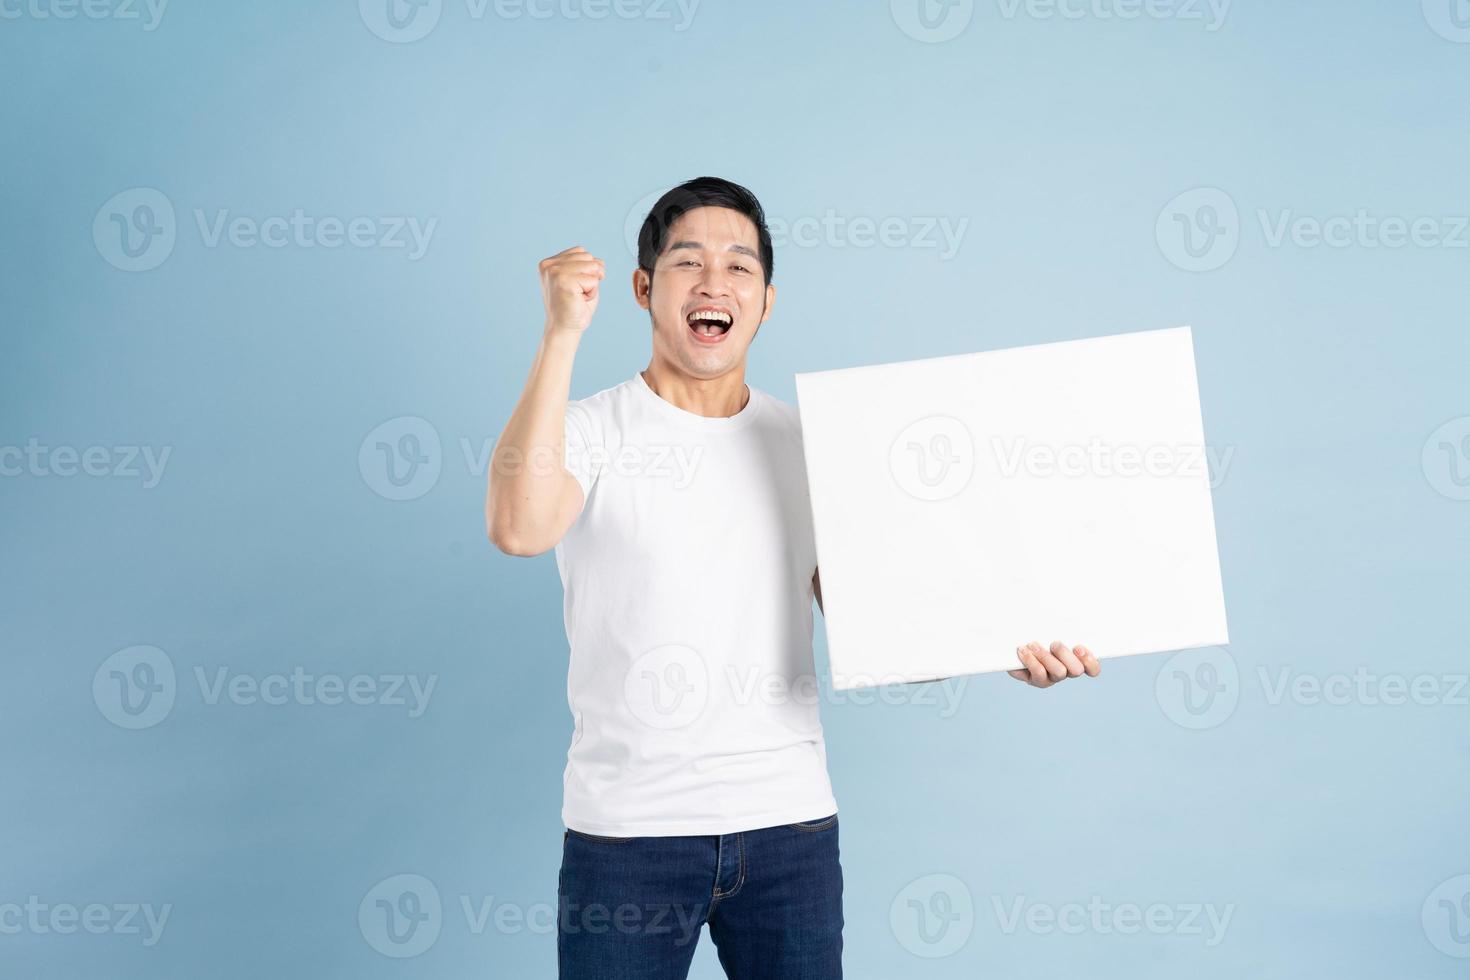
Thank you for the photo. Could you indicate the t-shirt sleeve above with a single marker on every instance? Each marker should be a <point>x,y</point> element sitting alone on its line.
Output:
<point>582,441</point>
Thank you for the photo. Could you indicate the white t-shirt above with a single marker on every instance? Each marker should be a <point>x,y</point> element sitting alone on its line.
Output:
<point>688,579</point>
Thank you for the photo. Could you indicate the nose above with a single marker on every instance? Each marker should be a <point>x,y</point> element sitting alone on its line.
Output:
<point>714,282</point>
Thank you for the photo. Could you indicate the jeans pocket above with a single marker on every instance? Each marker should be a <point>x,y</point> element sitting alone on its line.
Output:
<point>815,825</point>
<point>598,838</point>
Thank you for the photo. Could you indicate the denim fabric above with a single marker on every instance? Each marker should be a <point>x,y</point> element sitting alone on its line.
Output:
<point>631,908</point>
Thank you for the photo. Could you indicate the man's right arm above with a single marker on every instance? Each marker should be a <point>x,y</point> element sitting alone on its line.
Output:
<point>531,499</point>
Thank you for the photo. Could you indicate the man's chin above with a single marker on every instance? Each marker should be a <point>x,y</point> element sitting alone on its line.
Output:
<point>707,365</point>
<point>704,360</point>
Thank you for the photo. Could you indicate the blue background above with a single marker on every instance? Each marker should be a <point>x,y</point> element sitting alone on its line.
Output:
<point>265,547</point>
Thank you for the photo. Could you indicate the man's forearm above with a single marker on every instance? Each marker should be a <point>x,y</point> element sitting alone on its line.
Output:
<point>527,479</point>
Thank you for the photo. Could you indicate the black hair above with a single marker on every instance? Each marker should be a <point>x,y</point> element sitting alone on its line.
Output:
<point>701,192</point>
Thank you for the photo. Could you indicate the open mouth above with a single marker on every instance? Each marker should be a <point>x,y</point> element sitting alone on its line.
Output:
<point>710,324</point>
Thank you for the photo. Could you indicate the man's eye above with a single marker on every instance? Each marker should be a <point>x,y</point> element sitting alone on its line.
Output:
<point>688,262</point>
<point>741,268</point>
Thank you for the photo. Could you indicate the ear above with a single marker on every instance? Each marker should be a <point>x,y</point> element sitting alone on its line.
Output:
<point>770,302</point>
<point>642,288</point>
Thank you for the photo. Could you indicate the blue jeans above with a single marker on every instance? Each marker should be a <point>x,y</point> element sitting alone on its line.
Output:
<point>631,908</point>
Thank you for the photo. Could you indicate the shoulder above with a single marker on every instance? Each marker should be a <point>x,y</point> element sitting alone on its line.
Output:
<point>604,401</point>
<point>601,409</point>
<point>779,418</point>
<point>777,411</point>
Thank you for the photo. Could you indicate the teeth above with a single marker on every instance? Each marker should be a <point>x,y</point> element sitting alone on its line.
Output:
<point>713,315</point>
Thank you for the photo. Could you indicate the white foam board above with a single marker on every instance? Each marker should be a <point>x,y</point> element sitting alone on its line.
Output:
<point>969,504</point>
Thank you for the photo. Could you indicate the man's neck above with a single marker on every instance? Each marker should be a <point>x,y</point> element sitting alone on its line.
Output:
<point>719,397</point>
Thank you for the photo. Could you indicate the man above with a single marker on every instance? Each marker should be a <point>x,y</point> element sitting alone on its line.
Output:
<point>678,507</point>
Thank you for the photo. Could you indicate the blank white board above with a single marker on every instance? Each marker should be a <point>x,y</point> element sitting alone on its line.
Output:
<point>966,505</point>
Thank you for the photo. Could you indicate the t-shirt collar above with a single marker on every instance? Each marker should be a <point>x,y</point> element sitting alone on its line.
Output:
<point>677,414</point>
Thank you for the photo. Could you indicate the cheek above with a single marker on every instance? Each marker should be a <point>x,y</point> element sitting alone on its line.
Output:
<point>753,302</point>
<point>667,313</point>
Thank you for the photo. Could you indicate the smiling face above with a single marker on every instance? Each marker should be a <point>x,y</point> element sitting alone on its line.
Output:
<point>708,295</point>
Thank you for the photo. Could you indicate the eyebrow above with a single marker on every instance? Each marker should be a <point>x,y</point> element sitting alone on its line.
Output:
<point>743,250</point>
